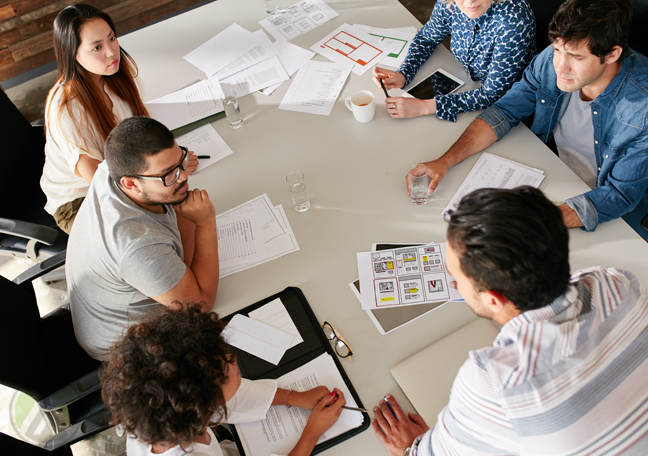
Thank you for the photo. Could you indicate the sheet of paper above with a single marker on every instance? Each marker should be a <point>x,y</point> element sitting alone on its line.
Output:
<point>205,141</point>
<point>280,430</point>
<point>292,58</point>
<point>257,338</point>
<point>187,105</point>
<point>277,248</point>
<point>316,87</point>
<point>298,19</point>
<point>275,314</point>
<point>223,49</point>
<point>264,74</point>
<point>493,171</point>
<point>271,226</point>
<point>405,276</point>
<point>400,42</point>
<point>239,240</point>
<point>262,51</point>
<point>347,44</point>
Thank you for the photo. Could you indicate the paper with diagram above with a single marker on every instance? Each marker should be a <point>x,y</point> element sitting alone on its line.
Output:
<point>400,42</point>
<point>298,19</point>
<point>493,171</point>
<point>347,44</point>
<point>405,276</point>
<point>280,430</point>
<point>187,105</point>
<point>205,142</point>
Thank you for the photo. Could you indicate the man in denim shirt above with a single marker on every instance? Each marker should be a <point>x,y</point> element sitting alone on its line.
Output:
<point>588,62</point>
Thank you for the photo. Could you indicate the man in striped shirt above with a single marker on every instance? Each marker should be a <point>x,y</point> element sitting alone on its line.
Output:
<point>567,373</point>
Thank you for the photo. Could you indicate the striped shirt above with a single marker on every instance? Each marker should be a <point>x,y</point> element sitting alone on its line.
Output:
<point>570,378</point>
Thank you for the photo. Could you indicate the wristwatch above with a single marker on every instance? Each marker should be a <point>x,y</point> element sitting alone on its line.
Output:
<point>407,452</point>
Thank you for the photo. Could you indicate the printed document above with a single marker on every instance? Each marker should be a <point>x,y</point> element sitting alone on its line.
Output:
<point>262,51</point>
<point>493,171</point>
<point>298,19</point>
<point>205,141</point>
<point>279,432</point>
<point>347,44</point>
<point>275,314</point>
<point>292,58</point>
<point>239,240</point>
<point>400,42</point>
<point>257,338</point>
<point>316,87</point>
<point>405,276</point>
<point>229,45</point>
<point>187,105</point>
<point>257,77</point>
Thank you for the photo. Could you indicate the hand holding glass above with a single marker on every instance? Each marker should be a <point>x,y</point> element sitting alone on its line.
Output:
<point>419,182</point>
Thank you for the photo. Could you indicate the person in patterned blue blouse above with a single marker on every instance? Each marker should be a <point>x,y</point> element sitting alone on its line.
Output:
<point>493,39</point>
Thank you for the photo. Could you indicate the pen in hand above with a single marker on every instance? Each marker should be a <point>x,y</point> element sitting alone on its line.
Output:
<point>203,157</point>
<point>355,408</point>
<point>382,84</point>
<point>390,407</point>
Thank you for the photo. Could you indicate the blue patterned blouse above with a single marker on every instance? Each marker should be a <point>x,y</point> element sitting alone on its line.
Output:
<point>494,49</point>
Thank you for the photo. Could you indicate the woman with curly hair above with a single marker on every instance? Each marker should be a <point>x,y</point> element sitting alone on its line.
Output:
<point>493,39</point>
<point>173,374</point>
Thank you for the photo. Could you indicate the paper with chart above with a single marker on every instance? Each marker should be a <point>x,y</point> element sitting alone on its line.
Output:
<point>347,44</point>
<point>278,237</point>
<point>206,142</point>
<point>257,338</point>
<point>280,430</point>
<point>188,105</point>
<point>405,276</point>
<point>316,87</point>
<point>292,58</point>
<point>400,42</point>
<point>267,73</point>
<point>225,48</point>
<point>493,171</point>
<point>239,239</point>
<point>298,19</point>
<point>275,314</point>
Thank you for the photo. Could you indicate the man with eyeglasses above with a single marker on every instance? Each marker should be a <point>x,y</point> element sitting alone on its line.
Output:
<point>141,238</point>
<point>566,374</point>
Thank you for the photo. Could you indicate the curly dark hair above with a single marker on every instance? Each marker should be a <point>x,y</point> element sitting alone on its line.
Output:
<point>163,381</point>
<point>514,242</point>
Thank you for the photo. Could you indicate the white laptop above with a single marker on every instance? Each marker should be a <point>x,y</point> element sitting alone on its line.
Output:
<point>426,377</point>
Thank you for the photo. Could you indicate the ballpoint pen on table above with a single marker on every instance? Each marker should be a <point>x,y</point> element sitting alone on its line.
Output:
<point>382,84</point>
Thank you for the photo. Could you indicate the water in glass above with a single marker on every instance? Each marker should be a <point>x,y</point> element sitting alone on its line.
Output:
<point>300,197</point>
<point>232,112</point>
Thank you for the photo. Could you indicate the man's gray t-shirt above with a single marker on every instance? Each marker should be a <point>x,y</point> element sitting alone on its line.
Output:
<point>118,255</point>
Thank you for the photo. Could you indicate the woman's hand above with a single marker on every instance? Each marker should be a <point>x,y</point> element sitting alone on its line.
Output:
<point>308,399</point>
<point>391,79</point>
<point>324,415</point>
<point>193,163</point>
<point>406,108</point>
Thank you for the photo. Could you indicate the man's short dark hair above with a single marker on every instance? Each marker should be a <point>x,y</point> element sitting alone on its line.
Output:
<point>130,143</point>
<point>164,380</point>
<point>602,24</point>
<point>514,242</point>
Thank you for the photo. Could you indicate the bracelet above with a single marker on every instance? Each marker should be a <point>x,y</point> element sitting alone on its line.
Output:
<point>288,394</point>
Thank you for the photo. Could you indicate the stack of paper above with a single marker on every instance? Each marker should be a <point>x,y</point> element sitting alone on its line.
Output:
<point>298,19</point>
<point>492,171</point>
<point>206,144</point>
<point>252,234</point>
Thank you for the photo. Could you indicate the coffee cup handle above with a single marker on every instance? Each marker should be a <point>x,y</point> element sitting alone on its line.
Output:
<point>347,102</point>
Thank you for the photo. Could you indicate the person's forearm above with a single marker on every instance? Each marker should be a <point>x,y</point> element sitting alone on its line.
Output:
<point>305,445</point>
<point>477,137</point>
<point>205,263</point>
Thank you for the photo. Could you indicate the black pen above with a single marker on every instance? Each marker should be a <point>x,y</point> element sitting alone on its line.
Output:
<point>203,157</point>
<point>355,408</point>
<point>382,84</point>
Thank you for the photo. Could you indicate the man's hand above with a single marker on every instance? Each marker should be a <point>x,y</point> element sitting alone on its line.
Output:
<point>437,169</point>
<point>308,399</point>
<point>397,434</point>
<point>197,208</point>
<point>570,217</point>
<point>406,108</point>
<point>193,163</point>
<point>391,79</point>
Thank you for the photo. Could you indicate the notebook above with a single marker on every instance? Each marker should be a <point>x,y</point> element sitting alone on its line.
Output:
<point>426,377</point>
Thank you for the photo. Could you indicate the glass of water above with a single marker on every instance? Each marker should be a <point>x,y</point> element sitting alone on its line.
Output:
<point>232,111</point>
<point>298,191</point>
<point>271,6</point>
<point>419,182</point>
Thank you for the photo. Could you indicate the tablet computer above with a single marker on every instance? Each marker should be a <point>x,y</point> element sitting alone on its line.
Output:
<point>440,82</point>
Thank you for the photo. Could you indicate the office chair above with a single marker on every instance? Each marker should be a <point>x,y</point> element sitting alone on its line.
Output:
<point>14,446</point>
<point>42,358</point>
<point>26,230</point>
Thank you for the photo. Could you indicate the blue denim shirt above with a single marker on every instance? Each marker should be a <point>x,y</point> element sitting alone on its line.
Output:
<point>620,117</point>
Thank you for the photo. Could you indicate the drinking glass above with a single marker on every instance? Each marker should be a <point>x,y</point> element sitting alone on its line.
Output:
<point>419,182</point>
<point>232,111</point>
<point>298,192</point>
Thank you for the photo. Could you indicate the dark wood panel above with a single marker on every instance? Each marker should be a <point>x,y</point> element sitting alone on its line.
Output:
<point>6,12</point>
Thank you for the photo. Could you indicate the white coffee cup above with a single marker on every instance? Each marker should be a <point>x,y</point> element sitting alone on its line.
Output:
<point>362,105</point>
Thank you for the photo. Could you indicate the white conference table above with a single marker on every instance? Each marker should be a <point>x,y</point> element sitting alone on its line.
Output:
<point>355,174</point>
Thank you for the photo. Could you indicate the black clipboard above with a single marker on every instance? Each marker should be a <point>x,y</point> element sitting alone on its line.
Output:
<point>314,345</point>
